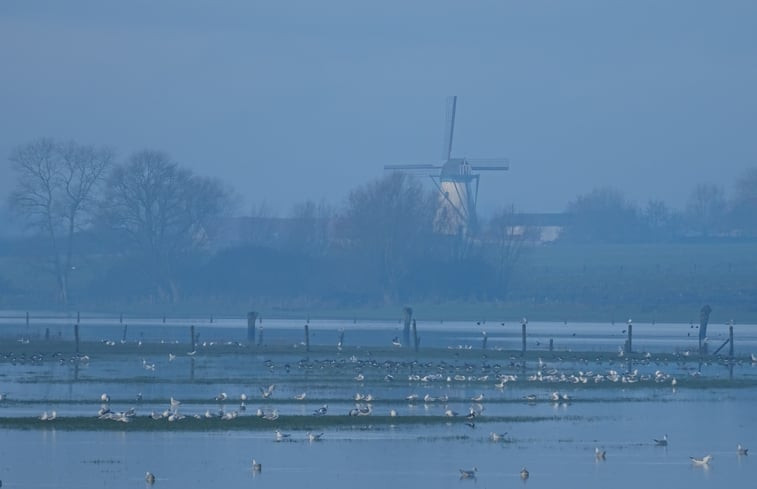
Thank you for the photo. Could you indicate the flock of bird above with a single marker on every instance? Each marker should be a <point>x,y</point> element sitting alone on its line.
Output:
<point>415,371</point>
<point>172,414</point>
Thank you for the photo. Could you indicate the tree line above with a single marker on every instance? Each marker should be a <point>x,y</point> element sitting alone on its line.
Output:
<point>147,230</point>
<point>606,215</point>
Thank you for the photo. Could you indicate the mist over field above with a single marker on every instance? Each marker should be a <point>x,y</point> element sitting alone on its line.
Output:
<point>204,156</point>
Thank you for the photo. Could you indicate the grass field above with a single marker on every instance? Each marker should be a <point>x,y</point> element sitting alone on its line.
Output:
<point>659,282</point>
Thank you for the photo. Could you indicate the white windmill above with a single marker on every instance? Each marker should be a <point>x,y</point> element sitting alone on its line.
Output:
<point>457,181</point>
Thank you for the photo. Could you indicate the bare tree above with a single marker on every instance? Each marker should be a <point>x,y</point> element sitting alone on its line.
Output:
<point>745,202</point>
<point>390,221</point>
<point>507,237</point>
<point>658,220</point>
<point>310,224</point>
<point>706,209</point>
<point>162,209</point>
<point>57,186</point>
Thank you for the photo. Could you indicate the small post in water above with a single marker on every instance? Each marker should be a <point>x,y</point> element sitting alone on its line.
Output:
<point>551,344</point>
<point>416,338</point>
<point>76,336</point>
<point>483,346</point>
<point>192,337</point>
<point>340,343</point>
<point>307,338</point>
<point>730,337</point>
<point>260,336</point>
<point>523,333</point>
<point>407,313</point>
<point>629,341</point>
<point>251,318</point>
<point>123,337</point>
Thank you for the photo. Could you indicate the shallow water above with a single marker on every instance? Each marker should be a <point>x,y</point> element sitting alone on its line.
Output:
<point>708,412</point>
<point>555,453</point>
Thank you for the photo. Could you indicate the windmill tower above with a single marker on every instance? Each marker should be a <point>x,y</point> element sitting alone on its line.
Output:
<point>457,181</point>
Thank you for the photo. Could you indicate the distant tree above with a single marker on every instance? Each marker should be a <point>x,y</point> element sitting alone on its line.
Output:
<point>390,222</point>
<point>507,237</point>
<point>706,209</point>
<point>309,231</point>
<point>658,220</point>
<point>602,215</point>
<point>162,210</point>
<point>57,187</point>
<point>744,206</point>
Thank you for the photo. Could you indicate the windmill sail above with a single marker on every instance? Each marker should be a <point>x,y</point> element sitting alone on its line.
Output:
<point>449,128</point>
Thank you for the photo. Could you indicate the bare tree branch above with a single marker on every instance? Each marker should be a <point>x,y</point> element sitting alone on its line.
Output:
<point>56,187</point>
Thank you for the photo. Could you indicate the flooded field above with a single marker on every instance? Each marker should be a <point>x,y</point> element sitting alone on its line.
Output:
<point>140,398</point>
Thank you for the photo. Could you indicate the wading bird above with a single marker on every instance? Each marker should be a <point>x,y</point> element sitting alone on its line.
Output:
<point>662,442</point>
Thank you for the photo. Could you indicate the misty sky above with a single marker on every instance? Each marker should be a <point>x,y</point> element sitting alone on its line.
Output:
<point>294,100</point>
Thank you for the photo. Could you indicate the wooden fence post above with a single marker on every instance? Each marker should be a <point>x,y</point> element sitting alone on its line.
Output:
<point>407,316</point>
<point>251,318</point>
<point>416,338</point>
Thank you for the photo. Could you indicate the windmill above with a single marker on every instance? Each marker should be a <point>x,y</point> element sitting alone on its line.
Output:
<point>457,181</point>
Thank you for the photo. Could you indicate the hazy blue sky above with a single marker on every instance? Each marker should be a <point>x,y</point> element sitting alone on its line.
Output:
<point>287,101</point>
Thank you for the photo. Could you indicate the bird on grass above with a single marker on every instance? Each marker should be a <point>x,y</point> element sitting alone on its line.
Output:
<point>468,474</point>
<point>704,461</point>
